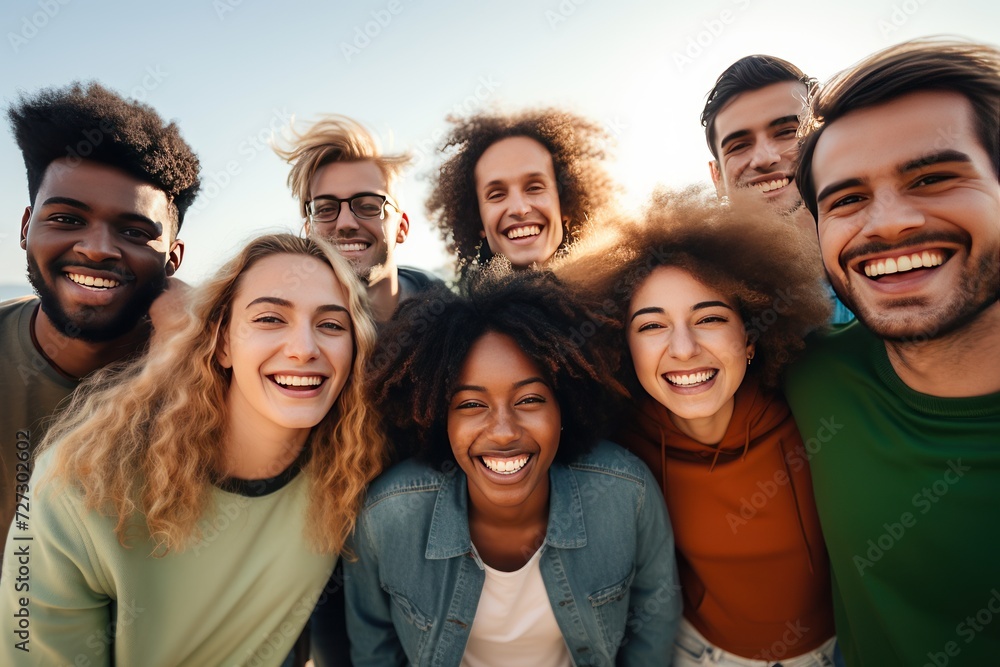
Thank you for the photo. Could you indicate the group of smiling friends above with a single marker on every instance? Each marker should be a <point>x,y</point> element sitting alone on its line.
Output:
<point>801,371</point>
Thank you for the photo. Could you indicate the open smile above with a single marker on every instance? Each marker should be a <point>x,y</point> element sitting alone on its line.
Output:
<point>352,246</point>
<point>506,467</point>
<point>881,266</point>
<point>522,232</point>
<point>690,379</point>
<point>771,185</point>
<point>92,282</point>
<point>298,384</point>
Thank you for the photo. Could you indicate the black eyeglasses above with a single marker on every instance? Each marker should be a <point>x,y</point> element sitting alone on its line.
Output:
<point>364,205</point>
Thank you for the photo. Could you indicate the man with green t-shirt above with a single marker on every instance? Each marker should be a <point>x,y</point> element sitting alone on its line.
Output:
<point>108,185</point>
<point>900,411</point>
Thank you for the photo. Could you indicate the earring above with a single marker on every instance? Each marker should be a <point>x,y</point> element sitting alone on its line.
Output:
<point>724,201</point>
<point>749,357</point>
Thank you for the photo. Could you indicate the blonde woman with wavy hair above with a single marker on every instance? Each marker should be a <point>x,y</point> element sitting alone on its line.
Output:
<point>189,506</point>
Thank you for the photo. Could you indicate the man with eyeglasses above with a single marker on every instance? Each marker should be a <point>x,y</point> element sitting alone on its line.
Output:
<point>344,184</point>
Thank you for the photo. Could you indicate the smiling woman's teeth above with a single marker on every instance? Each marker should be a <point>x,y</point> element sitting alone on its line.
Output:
<point>505,466</point>
<point>917,260</point>
<point>688,379</point>
<point>521,232</point>
<point>298,380</point>
<point>90,281</point>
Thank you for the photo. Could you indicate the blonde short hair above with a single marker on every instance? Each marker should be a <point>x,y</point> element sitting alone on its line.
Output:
<point>334,138</point>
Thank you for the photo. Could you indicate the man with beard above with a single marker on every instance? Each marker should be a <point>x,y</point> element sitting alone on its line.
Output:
<point>900,411</point>
<point>108,185</point>
<point>751,120</point>
<point>345,187</point>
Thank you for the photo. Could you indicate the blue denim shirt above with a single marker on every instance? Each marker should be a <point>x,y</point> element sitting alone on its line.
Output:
<point>608,565</point>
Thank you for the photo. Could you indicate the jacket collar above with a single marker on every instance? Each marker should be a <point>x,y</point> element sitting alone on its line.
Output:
<point>449,532</point>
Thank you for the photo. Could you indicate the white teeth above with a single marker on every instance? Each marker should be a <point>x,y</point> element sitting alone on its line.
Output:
<point>688,379</point>
<point>90,281</point>
<point>917,260</point>
<point>521,232</point>
<point>351,247</point>
<point>771,185</point>
<point>505,466</point>
<point>299,380</point>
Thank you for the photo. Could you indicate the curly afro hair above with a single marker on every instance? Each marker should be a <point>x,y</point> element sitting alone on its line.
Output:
<point>421,351</point>
<point>96,124</point>
<point>766,264</point>
<point>577,146</point>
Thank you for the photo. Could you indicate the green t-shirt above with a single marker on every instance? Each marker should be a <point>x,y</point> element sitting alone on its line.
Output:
<point>906,486</point>
<point>239,596</point>
<point>30,390</point>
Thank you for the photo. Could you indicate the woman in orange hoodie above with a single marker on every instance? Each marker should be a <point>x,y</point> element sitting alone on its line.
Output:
<point>714,302</point>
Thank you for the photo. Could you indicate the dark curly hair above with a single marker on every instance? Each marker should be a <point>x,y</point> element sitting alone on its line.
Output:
<point>769,266</point>
<point>577,146</point>
<point>421,351</point>
<point>95,123</point>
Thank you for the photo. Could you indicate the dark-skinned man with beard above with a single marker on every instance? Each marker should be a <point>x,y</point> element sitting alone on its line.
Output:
<point>108,185</point>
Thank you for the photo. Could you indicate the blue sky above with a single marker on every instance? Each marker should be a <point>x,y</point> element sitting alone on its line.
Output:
<point>234,72</point>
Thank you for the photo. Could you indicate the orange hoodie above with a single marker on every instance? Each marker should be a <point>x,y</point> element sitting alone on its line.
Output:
<point>752,562</point>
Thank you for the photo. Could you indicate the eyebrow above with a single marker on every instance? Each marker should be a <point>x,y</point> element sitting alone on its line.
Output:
<point>499,181</point>
<point>908,166</point>
<point>935,158</point>
<point>76,203</point>
<point>285,303</point>
<point>742,133</point>
<point>516,385</point>
<point>698,306</point>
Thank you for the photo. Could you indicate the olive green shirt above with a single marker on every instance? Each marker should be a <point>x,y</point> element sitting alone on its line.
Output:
<point>30,391</point>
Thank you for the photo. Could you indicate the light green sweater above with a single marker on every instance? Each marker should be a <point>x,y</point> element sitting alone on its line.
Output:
<point>240,596</point>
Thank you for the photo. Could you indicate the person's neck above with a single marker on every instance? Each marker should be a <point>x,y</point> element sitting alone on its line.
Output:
<point>533,512</point>
<point>706,430</point>
<point>384,293</point>
<point>75,358</point>
<point>254,451</point>
<point>963,363</point>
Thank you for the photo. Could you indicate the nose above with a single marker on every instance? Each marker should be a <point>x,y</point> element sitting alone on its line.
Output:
<point>519,204</point>
<point>300,343</point>
<point>98,243</point>
<point>891,215</point>
<point>683,344</point>
<point>346,223</point>
<point>503,427</point>
<point>766,153</point>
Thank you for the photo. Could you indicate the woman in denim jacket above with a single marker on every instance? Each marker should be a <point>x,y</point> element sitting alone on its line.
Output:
<point>514,537</point>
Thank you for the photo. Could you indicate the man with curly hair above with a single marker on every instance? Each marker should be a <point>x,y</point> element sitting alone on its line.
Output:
<point>520,185</point>
<point>900,411</point>
<point>108,185</point>
<point>346,191</point>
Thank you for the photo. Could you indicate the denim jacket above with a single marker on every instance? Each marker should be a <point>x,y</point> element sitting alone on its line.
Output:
<point>607,563</point>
